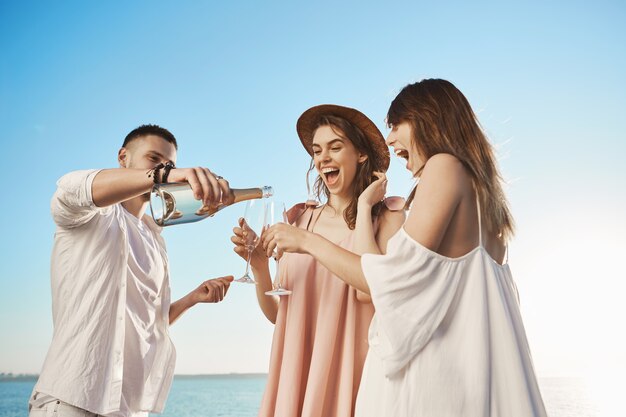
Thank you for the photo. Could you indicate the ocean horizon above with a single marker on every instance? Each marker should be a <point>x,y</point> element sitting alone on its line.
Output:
<point>239,395</point>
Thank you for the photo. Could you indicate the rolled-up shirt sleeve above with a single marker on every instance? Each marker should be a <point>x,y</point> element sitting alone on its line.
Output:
<point>72,203</point>
<point>411,296</point>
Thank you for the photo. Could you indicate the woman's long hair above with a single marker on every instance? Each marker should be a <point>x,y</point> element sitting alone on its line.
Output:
<point>365,170</point>
<point>443,121</point>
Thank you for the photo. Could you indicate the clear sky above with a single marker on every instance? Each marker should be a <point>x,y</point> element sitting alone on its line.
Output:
<point>230,79</point>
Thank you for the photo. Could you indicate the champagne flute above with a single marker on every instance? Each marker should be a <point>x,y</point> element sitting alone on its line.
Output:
<point>277,214</point>
<point>254,217</point>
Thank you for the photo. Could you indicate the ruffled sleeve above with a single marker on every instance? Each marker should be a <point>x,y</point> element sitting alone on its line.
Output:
<point>412,289</point>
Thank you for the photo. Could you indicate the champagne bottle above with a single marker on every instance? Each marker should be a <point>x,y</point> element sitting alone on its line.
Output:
<point>174,203</point>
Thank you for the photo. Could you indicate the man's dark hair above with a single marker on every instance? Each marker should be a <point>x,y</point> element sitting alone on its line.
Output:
<point>145,130</point>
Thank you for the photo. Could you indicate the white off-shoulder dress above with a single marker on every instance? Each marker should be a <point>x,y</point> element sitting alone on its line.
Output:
<point>447,337</point>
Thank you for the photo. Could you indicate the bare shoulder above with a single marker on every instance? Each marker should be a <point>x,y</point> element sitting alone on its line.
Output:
<point>392,217</point>
<point>443,185</point>
<point>446,173</point>
<point>445,166</point>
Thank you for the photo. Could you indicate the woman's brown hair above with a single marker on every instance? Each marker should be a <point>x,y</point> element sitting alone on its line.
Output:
<point>443,121</point>
<point>365,170</point>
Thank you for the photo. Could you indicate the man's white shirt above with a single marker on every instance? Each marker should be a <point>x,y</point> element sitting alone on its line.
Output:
<point>110,353</point>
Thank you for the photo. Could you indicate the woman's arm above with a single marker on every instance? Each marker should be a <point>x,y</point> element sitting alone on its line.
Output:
<point>364,233</point>
<point>366,242</point>
<point>366,239</point>
<point>390,222</point>
<point>436,199</point>
<point>345,264</point>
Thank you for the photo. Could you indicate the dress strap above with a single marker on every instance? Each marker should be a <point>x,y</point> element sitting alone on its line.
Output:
<point>308,223</point>
<point>480,231</point>
<point>480,226</point>
<point>312,224</point>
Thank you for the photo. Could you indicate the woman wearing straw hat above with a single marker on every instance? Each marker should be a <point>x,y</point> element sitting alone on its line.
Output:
<point>447,338</point>
<point>320,338</point>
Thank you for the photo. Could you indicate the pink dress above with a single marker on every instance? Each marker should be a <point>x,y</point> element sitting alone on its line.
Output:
<point>320,340</point>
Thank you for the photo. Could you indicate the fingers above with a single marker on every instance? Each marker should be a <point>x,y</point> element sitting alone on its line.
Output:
<point>208,292</point>
<point>216,191</point>
<point>271,245</point>
<point>198,179</point>
<point>239,240</point>
<point>381,178</point>
<point>223,284</point>
<point>241,251</point>
<point>227,280</point>
<point>244,227</point>
<point>264,232</point>
<point>227,196</point>
<point>194,183</point>
<point>268,242</point>
<point>238,231</point>
<point>266,237</point>
<point>208,187</point>
<point>207,192</point>
<point>211,191</point>
<point>216,288</point>
<point>379,175</point>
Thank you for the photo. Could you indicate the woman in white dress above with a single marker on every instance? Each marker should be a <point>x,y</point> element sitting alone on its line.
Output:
<point>447,338</point>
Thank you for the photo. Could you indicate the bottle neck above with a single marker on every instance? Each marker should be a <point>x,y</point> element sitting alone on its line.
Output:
<point>243,194</point>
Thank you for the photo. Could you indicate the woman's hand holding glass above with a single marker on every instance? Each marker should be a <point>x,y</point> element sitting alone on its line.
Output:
<point>282,238</point>
<point>258,258</point>
<point>276,215</point>
<point>254,221</point>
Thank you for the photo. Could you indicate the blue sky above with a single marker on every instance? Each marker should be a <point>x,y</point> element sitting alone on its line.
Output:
<point>230,80</point>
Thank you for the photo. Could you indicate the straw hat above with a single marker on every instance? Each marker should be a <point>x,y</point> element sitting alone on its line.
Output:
<point>307,123</point>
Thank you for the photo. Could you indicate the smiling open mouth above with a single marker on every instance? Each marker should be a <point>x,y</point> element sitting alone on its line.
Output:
<point>331,175</point>
<point>401,153</point>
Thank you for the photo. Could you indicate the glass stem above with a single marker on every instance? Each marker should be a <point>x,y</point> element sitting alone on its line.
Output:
<point>248,262</point>
<point>277,277</point>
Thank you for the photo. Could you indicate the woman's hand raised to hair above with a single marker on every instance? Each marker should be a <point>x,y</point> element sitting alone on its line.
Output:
<point>375,192</point>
